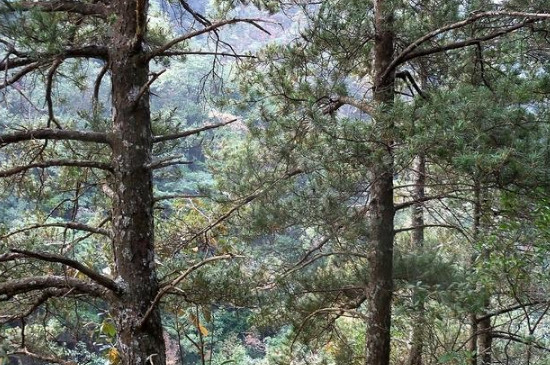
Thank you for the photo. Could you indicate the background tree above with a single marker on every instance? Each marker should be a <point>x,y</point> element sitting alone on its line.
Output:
<point>348,166</point>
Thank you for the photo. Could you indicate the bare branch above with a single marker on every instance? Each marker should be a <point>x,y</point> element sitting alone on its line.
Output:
<point>168,161</point>
<point>10,288</point>
<point>95,276</point>
<point>405,55</point>
<point>169,137</point>
<point>145,88</point>
<point>56,134</point>
<point>54,163</point>
<point>197,16</point>
<point>167,287</point>
<point>24,71</point>
<point>204,30</point>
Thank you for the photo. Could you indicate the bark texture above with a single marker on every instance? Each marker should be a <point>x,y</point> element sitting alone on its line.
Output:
<point>381,209</point>
<point>133,200</point>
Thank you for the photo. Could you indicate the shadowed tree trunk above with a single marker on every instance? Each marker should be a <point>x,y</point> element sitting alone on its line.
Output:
<point>381,212</point>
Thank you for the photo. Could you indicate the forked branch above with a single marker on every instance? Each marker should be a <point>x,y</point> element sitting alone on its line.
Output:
<point>167,287</point>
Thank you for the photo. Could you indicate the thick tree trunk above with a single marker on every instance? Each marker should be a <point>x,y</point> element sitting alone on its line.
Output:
<point>417,243</point>
<point>133,200</point>
<point>381,209</point>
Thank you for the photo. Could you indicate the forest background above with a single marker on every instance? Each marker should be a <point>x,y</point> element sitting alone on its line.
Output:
<point>324,182</point>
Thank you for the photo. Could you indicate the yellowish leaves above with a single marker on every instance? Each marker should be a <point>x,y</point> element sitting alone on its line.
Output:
<point>196,322</point>
<point>113,356</point>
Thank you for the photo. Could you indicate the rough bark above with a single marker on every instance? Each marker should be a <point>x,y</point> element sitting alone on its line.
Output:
<point>381,209</point>
<point>132,140</point>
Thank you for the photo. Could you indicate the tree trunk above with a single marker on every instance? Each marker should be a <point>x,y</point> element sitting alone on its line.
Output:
<point>485,339</point>
<point>417,243</point>
<point>133,201</point>
<point>381,209</point>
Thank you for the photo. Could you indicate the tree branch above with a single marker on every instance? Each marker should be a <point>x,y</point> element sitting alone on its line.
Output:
<point>508,309</point>
<point>44,296</point>
<point>167,287</point>
<point>69,225</point>
<point>24,71</point>
<point>55,134</point>
<point>204,30</point>
<point>54,163</point>
<point>95,276</point>
<point>405,55</point>
<point>401,230</point>
<point>10,288</point>
<point>466,42</point>
<point>169,137</point>
<point>203,53</point>
<point>177,196</point>
<point>339,101</point>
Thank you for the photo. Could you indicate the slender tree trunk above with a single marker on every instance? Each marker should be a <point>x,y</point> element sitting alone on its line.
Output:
<point>474,330</point>
<point>133,201</point>
<point>417,242</point>
<point>381,209</point>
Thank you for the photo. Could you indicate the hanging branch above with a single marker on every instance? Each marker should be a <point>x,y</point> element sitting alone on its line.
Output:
<point>49,85</point>
<point>97,85</point>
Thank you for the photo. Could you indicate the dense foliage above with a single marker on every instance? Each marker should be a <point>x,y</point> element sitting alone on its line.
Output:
<point>333,182</point>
